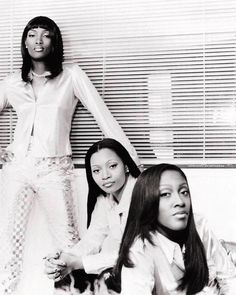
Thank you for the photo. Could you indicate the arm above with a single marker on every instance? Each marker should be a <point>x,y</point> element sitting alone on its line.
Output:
<point>89,97</point>
<point>138,280</point>
<point>218,261</point>
<point>96,263</point>
<point>67,261</point>
<point>3,100</point>
<point>5,156</point>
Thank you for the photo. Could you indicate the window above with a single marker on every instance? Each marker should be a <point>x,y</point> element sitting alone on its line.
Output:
<point>166,70</point>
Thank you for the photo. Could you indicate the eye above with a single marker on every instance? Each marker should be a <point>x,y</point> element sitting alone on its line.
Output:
<point>112,166</point>
<point>31,35</point>
<point>165,195</point>
<point>46,35</point>
<point>185,192</point>
<point>95,171</point>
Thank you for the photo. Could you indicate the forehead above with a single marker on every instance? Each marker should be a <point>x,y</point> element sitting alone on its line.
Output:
<point>170,177</point>
<point>102,156</point>
<point>38,29</point>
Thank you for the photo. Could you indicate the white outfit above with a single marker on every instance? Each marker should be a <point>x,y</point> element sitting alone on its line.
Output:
<point>165,262</point>
<point>100,245</point>
<point>42,168</point>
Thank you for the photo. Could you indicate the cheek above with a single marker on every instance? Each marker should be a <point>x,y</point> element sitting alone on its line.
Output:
<point>164,213</point>
<point>97,180</point>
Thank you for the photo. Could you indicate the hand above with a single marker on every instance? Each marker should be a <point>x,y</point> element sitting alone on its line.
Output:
<point>60,264</point>
<point>5,156</point>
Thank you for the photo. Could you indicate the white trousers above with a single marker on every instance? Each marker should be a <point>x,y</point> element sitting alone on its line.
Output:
<point>25,181</point>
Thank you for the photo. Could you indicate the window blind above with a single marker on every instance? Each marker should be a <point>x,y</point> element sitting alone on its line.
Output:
<point>166,70</point>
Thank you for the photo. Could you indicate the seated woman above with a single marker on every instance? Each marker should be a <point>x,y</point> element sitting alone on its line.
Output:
<point>166,249</point>
<point>111,174</point>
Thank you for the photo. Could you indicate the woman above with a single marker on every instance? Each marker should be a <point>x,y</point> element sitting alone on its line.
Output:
<point>111,175</point>
<point>38,164</point>
<point>165,246</point>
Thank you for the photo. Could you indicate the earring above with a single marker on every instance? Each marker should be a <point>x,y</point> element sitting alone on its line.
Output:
<point>126,169</point>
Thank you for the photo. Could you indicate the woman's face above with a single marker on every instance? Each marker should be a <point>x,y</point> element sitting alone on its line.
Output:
<point>108,171</point>
<point>175,201</point>
<point>39,43</point>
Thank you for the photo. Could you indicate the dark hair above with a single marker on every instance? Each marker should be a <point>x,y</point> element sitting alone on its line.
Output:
<point>55,58</point>
<point>93,189</point>
<point>143,220</point>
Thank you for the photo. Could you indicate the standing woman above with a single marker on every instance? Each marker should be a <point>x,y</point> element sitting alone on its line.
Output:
<point>167,247</point>
<point>37,165</point>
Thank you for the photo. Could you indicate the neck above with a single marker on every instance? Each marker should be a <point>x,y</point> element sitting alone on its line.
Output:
<point>38,67</point>
<point>118,194</point>
<point>178,237</point>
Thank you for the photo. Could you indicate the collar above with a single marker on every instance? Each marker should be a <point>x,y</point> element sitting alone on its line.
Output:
<point>171,250</point>
<point>124,203</point>
<point>31,74</point>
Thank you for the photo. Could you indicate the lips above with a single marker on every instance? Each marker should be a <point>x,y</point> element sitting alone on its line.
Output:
<point>108,184</point>
<point>38,49</point>
<point>181,214</point>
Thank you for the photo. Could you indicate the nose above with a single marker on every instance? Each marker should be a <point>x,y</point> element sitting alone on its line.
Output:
<point>39,40</point>
<point>178,200</point>
<point>105,174</point>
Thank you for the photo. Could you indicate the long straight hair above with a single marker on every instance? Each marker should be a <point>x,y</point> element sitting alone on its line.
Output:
<point>93,189</point>
<point>143,221</point>
<point>54,60</point>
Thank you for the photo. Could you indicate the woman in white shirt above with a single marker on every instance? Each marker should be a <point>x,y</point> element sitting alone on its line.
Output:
<point>37,165</point>
<point>111,175</point>
<point>166,249</point>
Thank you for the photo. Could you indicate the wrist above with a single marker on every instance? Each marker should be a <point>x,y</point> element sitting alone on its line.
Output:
<point>76,263</point>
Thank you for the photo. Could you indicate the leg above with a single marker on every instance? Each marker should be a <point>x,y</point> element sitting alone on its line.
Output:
<point>55,196</point>
<point>16,230</point>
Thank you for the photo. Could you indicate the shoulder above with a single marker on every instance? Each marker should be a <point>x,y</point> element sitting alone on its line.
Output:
<point>13,77</point>
<point>202,225</point>
<point>200,220</point>
<point>141,246</point>
<point>103,202</point>
<point>72,68</point>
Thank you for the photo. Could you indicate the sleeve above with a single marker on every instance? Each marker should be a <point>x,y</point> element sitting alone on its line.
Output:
<point>3,100</point>
<point>96,263</point>
<point>86,92</point>
<point>138,280</point>
<point>92,241</point>
<point>220,264</point>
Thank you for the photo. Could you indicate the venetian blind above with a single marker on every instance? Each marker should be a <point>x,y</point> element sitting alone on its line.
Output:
<point>166,70</point>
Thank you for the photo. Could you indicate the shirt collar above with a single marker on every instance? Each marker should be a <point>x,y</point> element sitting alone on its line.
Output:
<point>124,203</point>
<point>171,250</point>
<point>31,75</point>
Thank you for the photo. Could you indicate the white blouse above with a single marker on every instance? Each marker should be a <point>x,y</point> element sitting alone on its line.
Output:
<point>51,114</point>
<point>100,245</point>
<point>164,261</point>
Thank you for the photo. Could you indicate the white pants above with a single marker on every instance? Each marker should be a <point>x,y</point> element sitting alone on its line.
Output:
<point>47,181</point>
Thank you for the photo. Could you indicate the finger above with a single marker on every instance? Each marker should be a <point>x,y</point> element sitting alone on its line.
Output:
<point>59,277</point>
<point>54,255</point>
<point>55,262</point>
<point>53,276</point>
<point>51,270</point>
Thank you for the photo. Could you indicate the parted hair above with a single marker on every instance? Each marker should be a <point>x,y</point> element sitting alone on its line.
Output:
<point>143,221</point>
<point>55,59</point>
<point>93,189</point>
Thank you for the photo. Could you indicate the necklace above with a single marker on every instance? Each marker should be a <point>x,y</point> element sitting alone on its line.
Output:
<point>43,75</point>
